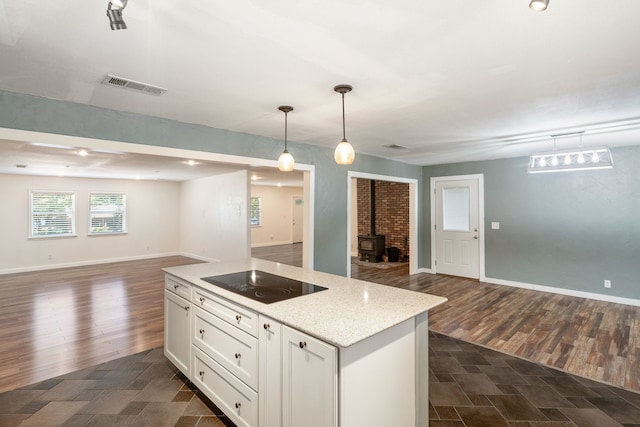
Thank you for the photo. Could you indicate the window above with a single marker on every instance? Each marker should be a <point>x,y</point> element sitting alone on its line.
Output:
<point>255,212</point>
<point>53,213</point>
<point>107,213</point>
<point>455,209</point>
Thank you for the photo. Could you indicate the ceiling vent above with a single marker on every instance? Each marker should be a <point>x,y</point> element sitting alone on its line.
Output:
<point>133,85</point>
<point>396,147</point>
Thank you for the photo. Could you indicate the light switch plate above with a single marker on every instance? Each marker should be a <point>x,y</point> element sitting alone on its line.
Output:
<point>495,226</point>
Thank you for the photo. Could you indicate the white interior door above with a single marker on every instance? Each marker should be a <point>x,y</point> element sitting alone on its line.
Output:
<point>297,218</point>
<point>457,230</point>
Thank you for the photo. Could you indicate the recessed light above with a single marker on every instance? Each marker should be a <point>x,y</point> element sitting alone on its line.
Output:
<point>83,153</point>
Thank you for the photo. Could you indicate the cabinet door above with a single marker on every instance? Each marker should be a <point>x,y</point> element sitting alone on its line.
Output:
<point>309,381</point>
<point>270,385</point>
<point>177,339</point>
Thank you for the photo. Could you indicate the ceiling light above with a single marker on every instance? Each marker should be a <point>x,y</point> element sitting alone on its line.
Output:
<point>539,5</point>
<point>114,13</point>
<point>570,160</point>
<point>344,154</point>
<point>83,153</point>
<point>285,161</point>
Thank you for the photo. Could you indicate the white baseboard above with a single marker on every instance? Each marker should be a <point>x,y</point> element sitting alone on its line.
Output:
<point>563,291</point>
<point>425,270</point>
<point>87,262</point>
<point>261,245</point>
<point>199,257</point>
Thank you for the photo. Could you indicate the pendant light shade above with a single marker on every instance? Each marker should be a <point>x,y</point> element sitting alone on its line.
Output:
<point>285,161</point>
<point>344,154</point>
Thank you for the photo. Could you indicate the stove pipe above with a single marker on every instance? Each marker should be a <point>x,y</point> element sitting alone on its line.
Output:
<point>372,206</point>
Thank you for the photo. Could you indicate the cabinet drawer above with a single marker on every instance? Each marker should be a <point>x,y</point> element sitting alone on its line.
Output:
<point>234,314</point>
<point>235,350</point>
<point>178,286</point>
<point>234,398</point>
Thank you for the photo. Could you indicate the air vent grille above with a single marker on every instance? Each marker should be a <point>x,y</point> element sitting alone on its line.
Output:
<point>110,80</point>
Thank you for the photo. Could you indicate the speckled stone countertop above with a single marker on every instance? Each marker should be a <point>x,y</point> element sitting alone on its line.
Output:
<point>348,312</point>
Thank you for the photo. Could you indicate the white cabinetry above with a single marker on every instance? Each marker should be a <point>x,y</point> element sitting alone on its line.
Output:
<point>309,381</point>
<point>263,372</point>
<point>177,339</point>
<point>270,368</point>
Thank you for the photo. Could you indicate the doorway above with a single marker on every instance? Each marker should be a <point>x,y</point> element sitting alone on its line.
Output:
<point>297,219</point>
<point>413,215</point>
<point>457,219</point>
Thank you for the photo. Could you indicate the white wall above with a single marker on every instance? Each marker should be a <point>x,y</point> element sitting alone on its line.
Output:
<point>276,215</point>
<point>214,218</point>
<point>152,219</point>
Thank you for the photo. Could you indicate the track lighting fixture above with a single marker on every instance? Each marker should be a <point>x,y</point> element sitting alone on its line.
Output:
<point>570,160</point>
<point>285,161</point>
<point>344,154</point>
<point>539,5</point>
<point>114,13</point>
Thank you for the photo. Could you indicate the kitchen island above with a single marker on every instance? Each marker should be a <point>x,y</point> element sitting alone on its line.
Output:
<point>353,354</point>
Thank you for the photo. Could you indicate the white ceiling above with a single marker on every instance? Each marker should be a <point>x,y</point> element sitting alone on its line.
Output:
<point>452,80</point>
<point>46,159</point>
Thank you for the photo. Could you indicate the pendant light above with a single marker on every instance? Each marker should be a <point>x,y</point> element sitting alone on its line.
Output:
<point>285,161</point>
<point>344,154</point>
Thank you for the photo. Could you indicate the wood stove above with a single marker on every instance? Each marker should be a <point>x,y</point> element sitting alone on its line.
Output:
<point>371,248</point>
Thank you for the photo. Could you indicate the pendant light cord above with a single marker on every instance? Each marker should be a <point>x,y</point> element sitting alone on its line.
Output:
<point>285,131</point>
<point>344,135</point>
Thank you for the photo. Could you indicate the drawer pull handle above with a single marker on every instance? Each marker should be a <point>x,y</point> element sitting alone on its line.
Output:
<point>201,373</point>
<point>176,286</point>
<point>186,307</point>
<point>303,344</point>
<point>202,299</point>
<point>201,331</point>
<point>238,317</point>
<point>267,326</point>
<point>238,405</point>
<point>238,355</point>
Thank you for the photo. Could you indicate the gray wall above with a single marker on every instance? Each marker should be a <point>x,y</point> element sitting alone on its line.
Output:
<point>570,230</point>
<point>32,113</point>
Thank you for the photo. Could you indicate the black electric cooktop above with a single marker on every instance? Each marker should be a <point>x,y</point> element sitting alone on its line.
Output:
<point>261,286</point>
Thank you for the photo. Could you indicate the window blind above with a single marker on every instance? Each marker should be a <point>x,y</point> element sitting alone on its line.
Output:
<point>52,214</point>
<point>107,213</point>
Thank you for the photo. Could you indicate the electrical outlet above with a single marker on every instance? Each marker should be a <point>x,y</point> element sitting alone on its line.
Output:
<point>607,283</point>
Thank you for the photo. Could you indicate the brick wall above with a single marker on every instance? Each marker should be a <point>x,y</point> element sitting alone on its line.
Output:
<point>392,212</point>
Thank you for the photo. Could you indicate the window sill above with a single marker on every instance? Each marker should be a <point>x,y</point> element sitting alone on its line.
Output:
<point>116,233</point>
<point>53,236</point>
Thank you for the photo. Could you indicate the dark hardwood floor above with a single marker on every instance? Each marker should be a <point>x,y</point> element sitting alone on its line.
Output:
<point>57,321</point>
<point>83,346</point>
<point>592,339</point>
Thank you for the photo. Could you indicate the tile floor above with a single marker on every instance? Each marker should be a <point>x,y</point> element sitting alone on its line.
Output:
<point>470,386</point>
